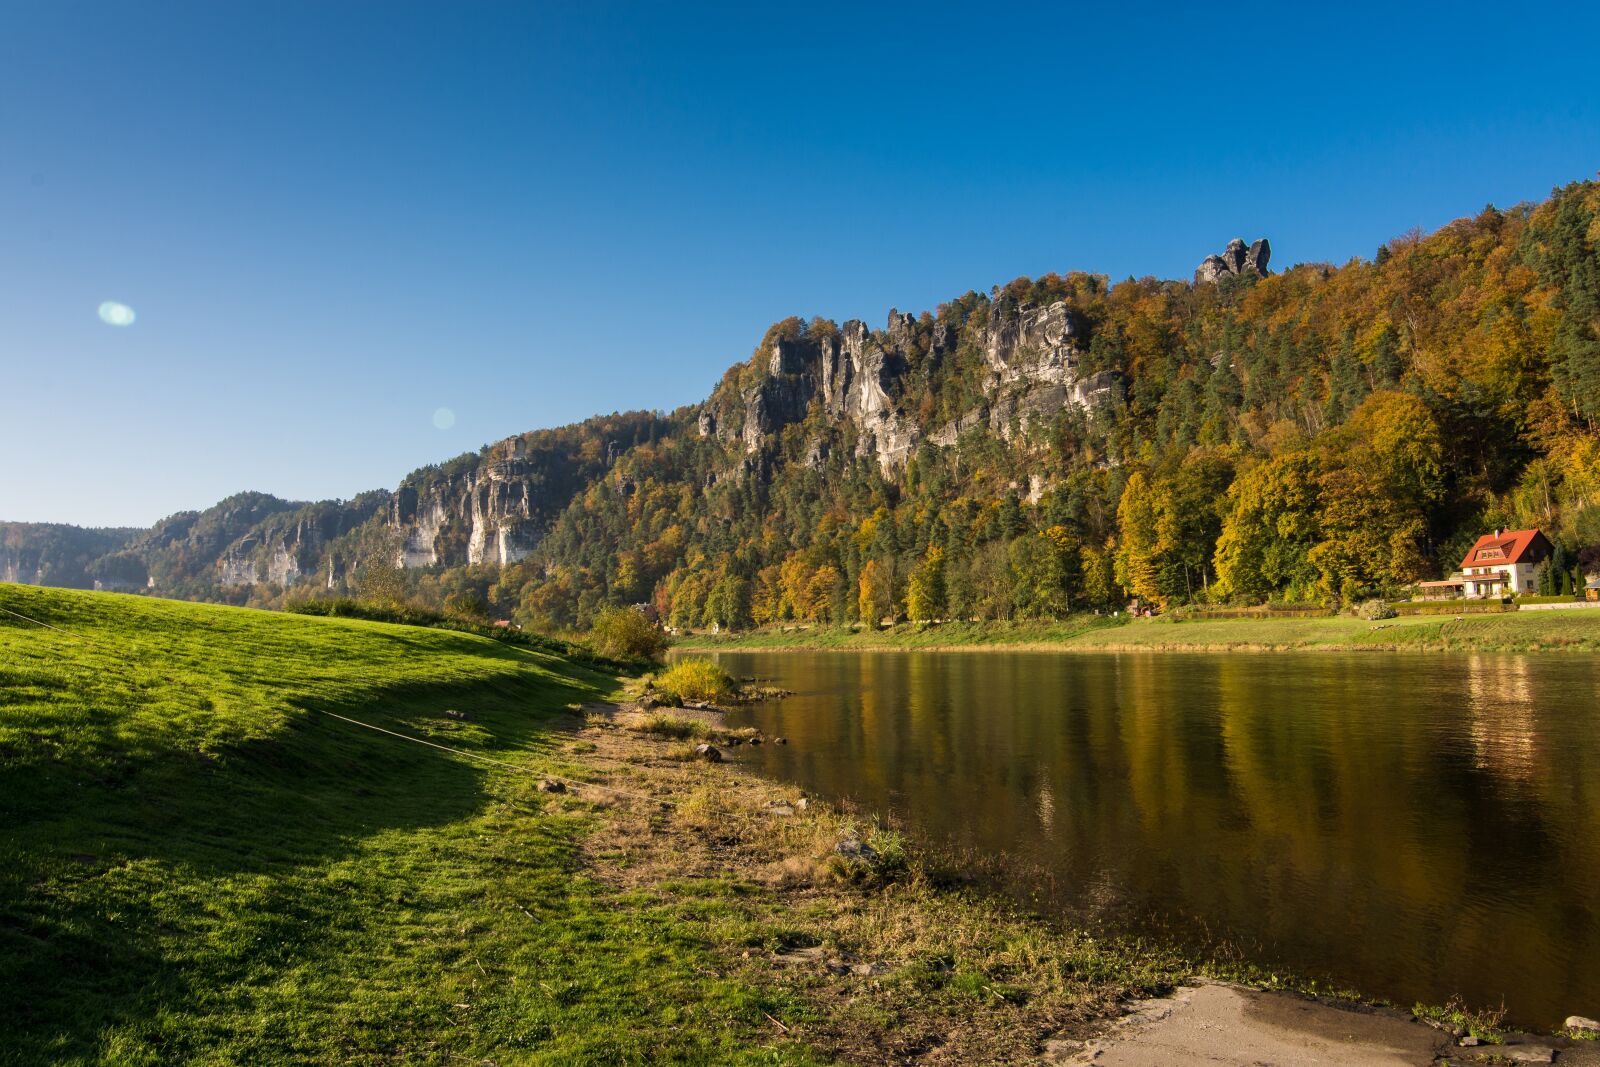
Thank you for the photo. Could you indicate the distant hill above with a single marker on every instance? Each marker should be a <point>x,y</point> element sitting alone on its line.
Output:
<point>1322,433</point>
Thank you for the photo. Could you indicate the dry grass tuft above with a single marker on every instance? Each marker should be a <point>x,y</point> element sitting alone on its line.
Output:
<point>671,727</point>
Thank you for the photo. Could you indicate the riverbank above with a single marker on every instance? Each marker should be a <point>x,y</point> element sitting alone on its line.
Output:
<point>1524,631</point>
<point>900,958</point>
<point>224,844</point>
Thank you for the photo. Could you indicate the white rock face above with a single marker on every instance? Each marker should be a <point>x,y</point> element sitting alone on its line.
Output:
<point>491,504</point>
<point>1033,345</point>
<point>858,377</point>
<point>420,548</point>
<point>239,566</point>
<point>1033,355</point>
<point>884,432</point>
<point>12,570</point>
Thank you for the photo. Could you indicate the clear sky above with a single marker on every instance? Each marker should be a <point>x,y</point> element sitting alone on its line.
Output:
<point>332,219</point>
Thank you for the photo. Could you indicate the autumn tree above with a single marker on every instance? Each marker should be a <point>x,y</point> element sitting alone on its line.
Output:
<point>925,592</point>
<point>1136,560</point>
<point>874,593</point>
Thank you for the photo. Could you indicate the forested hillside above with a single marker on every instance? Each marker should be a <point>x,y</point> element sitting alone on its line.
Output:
<point>1314,435</point>
<point>1053,445</point>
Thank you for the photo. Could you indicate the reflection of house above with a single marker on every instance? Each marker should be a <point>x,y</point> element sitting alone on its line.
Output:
<point>1502,563</point>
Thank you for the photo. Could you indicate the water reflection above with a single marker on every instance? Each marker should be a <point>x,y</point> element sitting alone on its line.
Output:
<point>1415,826</point>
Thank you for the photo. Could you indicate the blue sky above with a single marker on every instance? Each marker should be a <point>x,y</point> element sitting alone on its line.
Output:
<point>333,219</point>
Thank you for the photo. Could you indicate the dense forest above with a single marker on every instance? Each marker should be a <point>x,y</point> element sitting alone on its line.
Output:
<point>1322,435</point>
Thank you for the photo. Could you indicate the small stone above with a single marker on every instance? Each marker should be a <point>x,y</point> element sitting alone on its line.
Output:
<point>802,804</point>
<point>550,785</point>
<point>780,740</point>
<point>1581,1022</point>
<point>1468,1042</point>
<point>709,753</point>
<point>867,970</point>
<point>1527,1053</point>
<point>454,714</point>
<point>856,849</point>
<point>755,740</point>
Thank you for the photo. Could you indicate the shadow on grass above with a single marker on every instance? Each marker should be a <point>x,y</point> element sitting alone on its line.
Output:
<point>133,887</point>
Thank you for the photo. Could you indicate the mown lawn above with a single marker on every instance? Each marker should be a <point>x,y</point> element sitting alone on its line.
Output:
<point>198,867</point>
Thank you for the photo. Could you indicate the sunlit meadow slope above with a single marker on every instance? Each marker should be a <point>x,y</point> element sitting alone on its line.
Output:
<point>199,866</point>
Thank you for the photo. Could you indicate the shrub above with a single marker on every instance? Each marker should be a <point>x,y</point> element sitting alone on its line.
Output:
<point>623,633</point>
<point>697,679</point>
<point>1374,609</point>
<point>875,860</point>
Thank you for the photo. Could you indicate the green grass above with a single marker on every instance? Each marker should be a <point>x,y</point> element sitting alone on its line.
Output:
<point>1509,632</point>
<point>198,867</point>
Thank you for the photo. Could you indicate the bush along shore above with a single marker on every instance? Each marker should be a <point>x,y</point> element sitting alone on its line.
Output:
<point>225,845</point>
<point>1463,631</point>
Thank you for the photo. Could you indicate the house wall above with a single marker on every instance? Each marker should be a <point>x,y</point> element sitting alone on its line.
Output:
<point>1518,578</point>
<point>1478,579</point>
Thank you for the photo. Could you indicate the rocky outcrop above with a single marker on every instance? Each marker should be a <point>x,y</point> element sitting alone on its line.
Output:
<point>947,435</point>
<point>882,431</point>
<point>283,548</point>
<point>1034,345</point>
<point>852,375</point>
<point>1235,260</point>
<point>1033,355</point>
<point>772,404</point>
<point>483,515</point>
<point>859,379</point>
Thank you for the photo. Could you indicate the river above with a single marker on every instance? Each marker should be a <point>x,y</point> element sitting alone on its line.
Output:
<point>1415,827</point>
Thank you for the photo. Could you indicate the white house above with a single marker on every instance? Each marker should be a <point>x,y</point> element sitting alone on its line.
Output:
<point>1502,563</point>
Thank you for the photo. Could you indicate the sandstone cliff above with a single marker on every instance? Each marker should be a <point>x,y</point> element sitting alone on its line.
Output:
<point>855,381</point>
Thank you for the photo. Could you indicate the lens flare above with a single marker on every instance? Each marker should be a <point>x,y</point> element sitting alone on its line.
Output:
<point>444,418</point>
<point>115,314</point>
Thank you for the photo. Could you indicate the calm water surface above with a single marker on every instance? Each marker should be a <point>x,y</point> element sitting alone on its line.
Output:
<point>1417,827</point>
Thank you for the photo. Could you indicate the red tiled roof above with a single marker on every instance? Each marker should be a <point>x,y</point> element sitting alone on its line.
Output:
<point>1506,546</point>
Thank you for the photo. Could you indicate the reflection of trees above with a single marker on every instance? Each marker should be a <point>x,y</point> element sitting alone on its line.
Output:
<point>1417,825</point>
<point>1322,763</point>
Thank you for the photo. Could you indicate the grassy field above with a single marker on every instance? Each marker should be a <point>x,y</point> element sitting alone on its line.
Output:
<point>1528,631</point>
<point>200,866</point>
